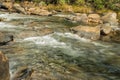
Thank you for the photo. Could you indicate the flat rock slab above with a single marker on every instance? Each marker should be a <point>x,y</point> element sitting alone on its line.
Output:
<point>88,32</point>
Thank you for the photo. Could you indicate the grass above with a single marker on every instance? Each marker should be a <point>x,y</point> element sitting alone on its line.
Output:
<point>69,8</point>
<point>103,11</point>
<point>81,9</point>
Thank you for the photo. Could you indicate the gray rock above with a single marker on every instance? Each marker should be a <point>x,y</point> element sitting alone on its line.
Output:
<point>84,18</point>
<point>110,18</point>
<point>113,36</point>
<point>106,28</point>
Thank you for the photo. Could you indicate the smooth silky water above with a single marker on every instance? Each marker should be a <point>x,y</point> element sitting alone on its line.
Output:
<point>60,55</point>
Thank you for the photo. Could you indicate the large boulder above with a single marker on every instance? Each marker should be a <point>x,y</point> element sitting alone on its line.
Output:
<point>94,18</point>
<point>91,19</point>
<point>88,32</point>
<point>82,18</point>
<point>4,67</point>
<point>110,18</point>
<point>106,29</point>
<point>113,36</point>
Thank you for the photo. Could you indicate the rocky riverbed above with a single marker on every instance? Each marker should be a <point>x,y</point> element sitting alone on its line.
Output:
<point>47,45</point>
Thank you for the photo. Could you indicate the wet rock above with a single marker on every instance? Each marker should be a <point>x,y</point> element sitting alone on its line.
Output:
<point>2,19</point>
<point>5,38</point>
<point>78,18</point>
<point>26,33</point>
<point>113,36</point>
<point>106,29</point>
<point>45,31</point>
<point>88,32</point>
<point>23,73</point>
<point>34,32</point>
<point>4,67</point>
<point>94,18</point>
<point>110,18</point>
<point>77,14</point>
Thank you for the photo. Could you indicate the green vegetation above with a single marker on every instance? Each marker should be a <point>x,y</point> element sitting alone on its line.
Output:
<point>96,4</point>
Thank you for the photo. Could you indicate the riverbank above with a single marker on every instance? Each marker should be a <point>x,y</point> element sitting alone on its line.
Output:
<point>100,25</point>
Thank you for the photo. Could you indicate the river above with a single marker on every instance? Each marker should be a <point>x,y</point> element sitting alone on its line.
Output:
<point>59,55</point>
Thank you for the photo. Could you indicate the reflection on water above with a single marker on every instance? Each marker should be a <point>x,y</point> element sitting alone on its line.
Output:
<point>62,55</point>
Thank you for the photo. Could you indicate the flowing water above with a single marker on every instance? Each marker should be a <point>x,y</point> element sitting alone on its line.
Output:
<point>59,55</point>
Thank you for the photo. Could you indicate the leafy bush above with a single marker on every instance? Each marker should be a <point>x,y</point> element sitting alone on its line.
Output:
<point>61,2</point>
<point>80,2</point>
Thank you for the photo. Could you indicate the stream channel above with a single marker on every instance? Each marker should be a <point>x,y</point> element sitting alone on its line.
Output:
<point>45,44</point>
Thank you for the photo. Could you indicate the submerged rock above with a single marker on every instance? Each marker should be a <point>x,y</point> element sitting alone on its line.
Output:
<point>88,32</point>
<point>4,67</point>
<point>23,73</point>
<point>5,38</point>
<point>45,31</point>
<point>35,32</point>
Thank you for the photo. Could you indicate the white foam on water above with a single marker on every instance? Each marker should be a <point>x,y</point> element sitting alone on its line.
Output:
<point>4,15</point>
<point>99,44</point>
<point>73,36</point>
<point>45,40</point>
<point>9,17</point>
<point>6,25</point>
<point>117,29</point>
<point>51,41</point>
